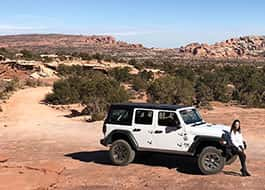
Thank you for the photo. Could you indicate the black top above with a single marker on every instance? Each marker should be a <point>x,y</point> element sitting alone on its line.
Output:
<point>148,106</point>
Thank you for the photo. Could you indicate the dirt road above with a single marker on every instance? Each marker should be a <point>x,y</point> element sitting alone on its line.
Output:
<point>49,151</point>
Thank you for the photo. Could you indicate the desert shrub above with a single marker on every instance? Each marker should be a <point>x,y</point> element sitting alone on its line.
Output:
<point>139,84</point>
<point>171,90</point>
<point>146,75</point>
<point>141,80</point>
<point>185,72</point>
<point>99,57</point>
<point>121,74</point>
<point>98,116</point>
<point>101,91</point>
<point>29,55</point>
<point>138,65</point>
<point>33,83</point>
<point>65,91</point>
<point>218,85</point>
<point>203,93</point>
<point>6,53</point>
<point>132,62</point>
<point>93,89</point>
<point>7,87</point>
<point>85,56</point>
<point>12,85</point>
<point>67,71</point>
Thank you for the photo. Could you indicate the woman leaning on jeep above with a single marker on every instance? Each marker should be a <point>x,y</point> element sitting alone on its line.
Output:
<point>238,146</point>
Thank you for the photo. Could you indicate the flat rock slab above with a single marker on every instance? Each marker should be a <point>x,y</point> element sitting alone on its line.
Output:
<point>14,178</point>
<point>47,166</point>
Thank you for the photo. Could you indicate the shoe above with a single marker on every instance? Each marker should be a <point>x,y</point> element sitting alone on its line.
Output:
<point>245,173</point>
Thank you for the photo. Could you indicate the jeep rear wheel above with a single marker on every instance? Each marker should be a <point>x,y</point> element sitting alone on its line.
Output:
<point>121,153</point>
<point>211,161</point>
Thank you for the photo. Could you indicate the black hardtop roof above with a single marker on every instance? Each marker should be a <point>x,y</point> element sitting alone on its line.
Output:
<point>149,106</point>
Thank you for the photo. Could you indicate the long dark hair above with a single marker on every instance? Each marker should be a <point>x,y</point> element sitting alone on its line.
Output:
<point>233,127</point>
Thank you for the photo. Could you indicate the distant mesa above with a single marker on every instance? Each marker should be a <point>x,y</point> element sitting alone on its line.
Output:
<point>247,47</point>
<point>40,42</point>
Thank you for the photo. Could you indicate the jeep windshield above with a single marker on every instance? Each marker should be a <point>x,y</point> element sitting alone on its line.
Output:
<point>191,116</point>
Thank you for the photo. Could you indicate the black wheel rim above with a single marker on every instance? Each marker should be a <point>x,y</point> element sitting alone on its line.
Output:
<point>120,152</point>
<point>212,161</point>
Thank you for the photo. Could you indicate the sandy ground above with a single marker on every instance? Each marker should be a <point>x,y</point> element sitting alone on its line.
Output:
<point>49,151</point>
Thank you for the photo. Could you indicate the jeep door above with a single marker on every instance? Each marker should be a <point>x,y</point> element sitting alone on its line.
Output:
<point>168,133</point>
<point>143,124</point>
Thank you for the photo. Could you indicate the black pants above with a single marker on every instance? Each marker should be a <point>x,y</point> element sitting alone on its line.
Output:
<point>242,157</point>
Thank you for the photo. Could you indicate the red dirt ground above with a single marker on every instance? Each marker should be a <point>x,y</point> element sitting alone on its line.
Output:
<point>49,151</point>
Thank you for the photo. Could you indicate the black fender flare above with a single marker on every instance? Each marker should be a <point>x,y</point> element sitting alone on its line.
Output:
<point>109,138</point>
<point>205,140</point>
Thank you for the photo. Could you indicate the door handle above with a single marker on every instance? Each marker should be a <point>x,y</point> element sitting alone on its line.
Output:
<point>158,132</point>
<point>136,130</point>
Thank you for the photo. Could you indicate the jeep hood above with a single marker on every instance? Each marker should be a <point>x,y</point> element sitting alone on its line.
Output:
<point>208,129</point>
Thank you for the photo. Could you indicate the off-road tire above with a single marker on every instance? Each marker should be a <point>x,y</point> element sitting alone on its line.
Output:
<point>211,161</point>
<point>121,153</point>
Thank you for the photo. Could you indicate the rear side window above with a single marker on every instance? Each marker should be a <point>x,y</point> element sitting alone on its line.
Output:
<point>121,116</point>
<point>144,117</point>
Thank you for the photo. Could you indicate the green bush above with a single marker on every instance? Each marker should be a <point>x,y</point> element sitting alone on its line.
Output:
<point>146,75</point>
<point>33,83</point>
<point>67,71</point>
<point>93,89</point>
<point>65,91</point>
<point>171,90</point>
<point>98,116</point>
<point>7,87</point>
<point>121,74</point>
<point>139,84</point>
<point>182,84</point>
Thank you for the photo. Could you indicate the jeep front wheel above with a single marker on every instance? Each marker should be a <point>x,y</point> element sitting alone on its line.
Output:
<point>121,153</point>
<point>211,161</point>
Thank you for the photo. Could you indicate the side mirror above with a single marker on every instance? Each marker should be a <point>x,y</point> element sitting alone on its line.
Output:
<point>172,128</point>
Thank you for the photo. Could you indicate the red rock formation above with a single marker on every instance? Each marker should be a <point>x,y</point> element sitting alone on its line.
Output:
<point>250,46</point>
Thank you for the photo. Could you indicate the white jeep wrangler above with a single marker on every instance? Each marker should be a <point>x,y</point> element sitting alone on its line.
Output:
<point>133,127</point>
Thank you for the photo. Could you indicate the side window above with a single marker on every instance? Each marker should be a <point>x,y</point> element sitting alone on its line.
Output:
<point>144,117</point>
<point>168,119</point>
<point>120,116</point>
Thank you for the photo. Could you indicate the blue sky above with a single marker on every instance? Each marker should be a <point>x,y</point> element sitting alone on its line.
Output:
<point>154,23</point>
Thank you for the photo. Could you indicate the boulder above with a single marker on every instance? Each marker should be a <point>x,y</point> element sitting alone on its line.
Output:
<point>231,48</point>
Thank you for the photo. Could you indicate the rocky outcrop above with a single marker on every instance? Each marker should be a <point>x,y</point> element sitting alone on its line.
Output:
<point>243,47</point>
